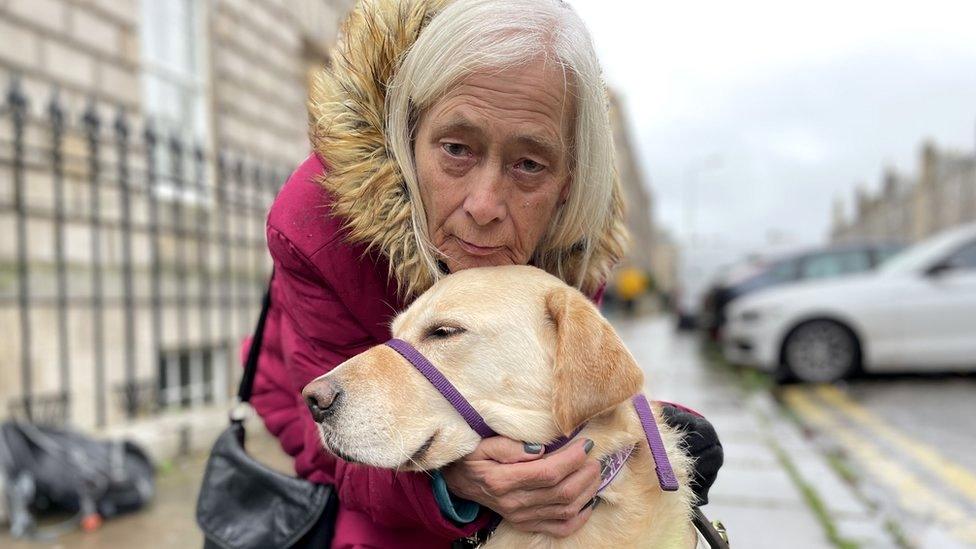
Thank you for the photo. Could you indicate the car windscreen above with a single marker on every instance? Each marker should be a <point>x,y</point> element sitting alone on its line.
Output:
<point>833,264</point>
<point>778,272</point>
<point>925,253</point>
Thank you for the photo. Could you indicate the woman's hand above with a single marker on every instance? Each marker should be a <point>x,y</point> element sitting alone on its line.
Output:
<point>550,494</point>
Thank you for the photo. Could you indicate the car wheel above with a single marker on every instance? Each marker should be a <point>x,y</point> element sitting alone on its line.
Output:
<point>820,351</point>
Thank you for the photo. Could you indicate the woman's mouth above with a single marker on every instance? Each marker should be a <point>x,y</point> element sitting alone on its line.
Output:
<point>474,249</point>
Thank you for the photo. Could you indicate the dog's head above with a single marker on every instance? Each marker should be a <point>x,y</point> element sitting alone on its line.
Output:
<point>531,354</point>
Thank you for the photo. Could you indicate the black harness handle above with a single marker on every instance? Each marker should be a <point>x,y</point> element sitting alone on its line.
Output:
<point>716,539</point>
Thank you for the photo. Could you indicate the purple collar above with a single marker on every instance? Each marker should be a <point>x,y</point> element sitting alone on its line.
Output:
<point>665,474</point>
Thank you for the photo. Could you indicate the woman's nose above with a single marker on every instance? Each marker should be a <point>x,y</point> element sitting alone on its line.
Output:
<point>485,202</point>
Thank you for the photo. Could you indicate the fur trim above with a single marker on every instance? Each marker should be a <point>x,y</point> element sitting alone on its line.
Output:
<point>348,132</point>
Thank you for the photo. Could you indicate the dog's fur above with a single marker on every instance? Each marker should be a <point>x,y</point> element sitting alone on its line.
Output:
<point>536,359</point>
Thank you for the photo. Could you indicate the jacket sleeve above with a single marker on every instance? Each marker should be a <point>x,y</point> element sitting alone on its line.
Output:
<point>319,333</point>
<point>701,442</point>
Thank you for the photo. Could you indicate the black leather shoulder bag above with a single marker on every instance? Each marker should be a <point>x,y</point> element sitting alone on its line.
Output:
<point>244,504</point>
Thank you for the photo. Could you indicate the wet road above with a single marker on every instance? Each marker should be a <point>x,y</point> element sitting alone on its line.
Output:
<point>910,445</point>
<point>938,411</point>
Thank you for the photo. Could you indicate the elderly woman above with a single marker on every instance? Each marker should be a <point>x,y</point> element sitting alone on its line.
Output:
<point>446,135</point>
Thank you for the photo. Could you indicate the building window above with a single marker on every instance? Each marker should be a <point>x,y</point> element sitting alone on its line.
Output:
<point>175,87</point>
<point>192,377</point>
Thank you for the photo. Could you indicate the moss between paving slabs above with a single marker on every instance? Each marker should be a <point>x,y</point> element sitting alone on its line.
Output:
<point>752,381</point>
<point>837,462</point>
<point>897,533</point>
<point>749,379</point>
<point>814,501</point>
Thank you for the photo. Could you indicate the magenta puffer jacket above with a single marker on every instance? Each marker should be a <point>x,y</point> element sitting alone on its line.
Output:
<point>328,303</point>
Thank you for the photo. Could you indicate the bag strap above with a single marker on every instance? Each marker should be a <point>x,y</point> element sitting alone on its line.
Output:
<point>251,365</point>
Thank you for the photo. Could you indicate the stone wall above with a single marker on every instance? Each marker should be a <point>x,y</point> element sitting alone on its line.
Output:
<point>637,197</point>
<point>89,54</point>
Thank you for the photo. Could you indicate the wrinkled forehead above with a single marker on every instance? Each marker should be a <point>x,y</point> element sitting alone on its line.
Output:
<point>485,297</point>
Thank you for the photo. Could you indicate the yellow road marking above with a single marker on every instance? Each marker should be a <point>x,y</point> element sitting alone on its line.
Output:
<point>954,475</point>
<point>911,492</point>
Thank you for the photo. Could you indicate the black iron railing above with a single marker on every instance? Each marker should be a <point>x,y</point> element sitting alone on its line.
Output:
<point>154,269</point>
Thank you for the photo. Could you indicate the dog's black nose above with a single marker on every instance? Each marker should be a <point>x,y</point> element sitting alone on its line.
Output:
<point>322,397</point>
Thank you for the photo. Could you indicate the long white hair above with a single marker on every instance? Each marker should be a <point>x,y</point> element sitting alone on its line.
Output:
<point>472,36</point>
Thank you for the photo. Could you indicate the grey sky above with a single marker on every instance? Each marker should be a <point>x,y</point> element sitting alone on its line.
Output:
<point>801,101</point>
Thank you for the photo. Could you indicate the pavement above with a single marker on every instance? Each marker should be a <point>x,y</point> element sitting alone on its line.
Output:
<point>776,489</point>
<point>168,523</point>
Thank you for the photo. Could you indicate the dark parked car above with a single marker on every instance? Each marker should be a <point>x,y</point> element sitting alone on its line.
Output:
<point>827,262</point>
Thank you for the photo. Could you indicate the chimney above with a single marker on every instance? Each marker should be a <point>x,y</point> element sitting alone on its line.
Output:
<point>929,157</point>
<point>861,198</point>
<point>889,182</point>
<point>839,219</point>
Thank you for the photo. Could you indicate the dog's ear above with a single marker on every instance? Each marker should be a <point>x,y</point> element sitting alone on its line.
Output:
<point>593,369</point>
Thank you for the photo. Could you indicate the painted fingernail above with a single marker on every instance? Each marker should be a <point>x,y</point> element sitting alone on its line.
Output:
<point>532,447</point>
<point>592,503</point>
<point>587,446</point>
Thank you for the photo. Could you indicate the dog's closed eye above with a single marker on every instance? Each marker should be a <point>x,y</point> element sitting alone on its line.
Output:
<point>443,331</point>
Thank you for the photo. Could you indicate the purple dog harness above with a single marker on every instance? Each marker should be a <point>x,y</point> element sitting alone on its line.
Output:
<point>612,464</point>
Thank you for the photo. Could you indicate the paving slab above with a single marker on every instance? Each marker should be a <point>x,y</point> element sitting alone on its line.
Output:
<point>866,532</point>
<point>769,487</point>
<point>763,527</point>
<point>748,453</point>
<point>755,496</point>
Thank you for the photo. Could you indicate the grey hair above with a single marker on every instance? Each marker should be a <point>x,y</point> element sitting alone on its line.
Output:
<point>469,36</point>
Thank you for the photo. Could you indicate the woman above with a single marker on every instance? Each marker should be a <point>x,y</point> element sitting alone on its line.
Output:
<point>447,135</point>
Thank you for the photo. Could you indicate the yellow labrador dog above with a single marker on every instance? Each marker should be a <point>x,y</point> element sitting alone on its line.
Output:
<point>536,359</point>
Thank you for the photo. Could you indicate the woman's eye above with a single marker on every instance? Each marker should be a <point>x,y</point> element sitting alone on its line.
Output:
<point>529,165</point>
<point>441,332</point>
<point>455,149</point>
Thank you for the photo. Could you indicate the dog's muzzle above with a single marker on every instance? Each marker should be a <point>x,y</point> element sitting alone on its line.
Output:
<point>665,473</point>
<point>322,397</point>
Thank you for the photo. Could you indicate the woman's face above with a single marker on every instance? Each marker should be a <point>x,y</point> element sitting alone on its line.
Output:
<point>492,165</point>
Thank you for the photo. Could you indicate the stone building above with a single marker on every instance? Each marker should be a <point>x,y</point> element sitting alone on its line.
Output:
<point>908,209</point>
<point>650,250</point>
<point>636,196</point>
<point>664,262</point>
<point>141,142</point>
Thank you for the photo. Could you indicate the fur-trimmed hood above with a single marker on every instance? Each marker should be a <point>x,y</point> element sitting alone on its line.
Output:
<point>347,128</point>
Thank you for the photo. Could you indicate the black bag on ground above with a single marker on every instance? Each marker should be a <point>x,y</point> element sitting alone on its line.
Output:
<point>244,504</point>
<point>54,469</point>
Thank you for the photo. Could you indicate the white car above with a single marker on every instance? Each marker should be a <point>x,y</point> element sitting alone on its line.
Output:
<point>697,265</point>
<point>916,312</point>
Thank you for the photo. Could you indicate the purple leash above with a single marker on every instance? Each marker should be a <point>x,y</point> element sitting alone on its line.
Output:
<point>446,388</point>
<point>665,474</point>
